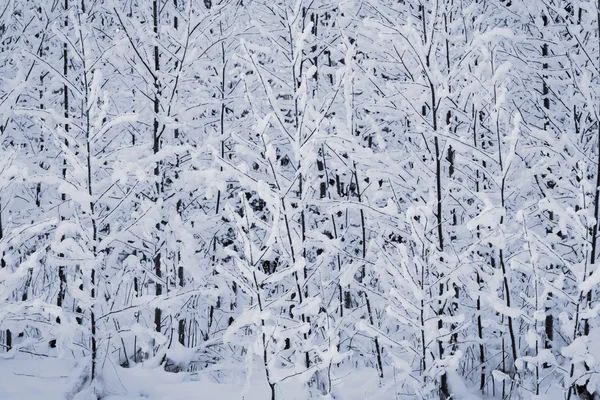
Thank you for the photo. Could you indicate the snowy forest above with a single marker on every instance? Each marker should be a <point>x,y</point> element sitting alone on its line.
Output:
<point>299,199</point>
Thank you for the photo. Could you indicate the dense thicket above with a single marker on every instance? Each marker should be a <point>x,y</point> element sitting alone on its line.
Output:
<point>406,189</point>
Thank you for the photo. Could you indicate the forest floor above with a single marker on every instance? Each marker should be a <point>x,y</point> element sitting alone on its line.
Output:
<point>52,379</point>
<point>48,378</point>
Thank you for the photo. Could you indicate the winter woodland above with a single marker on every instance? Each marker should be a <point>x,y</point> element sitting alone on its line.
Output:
<point>294,199</point>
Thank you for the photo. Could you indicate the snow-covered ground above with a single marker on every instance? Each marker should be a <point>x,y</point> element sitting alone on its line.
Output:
<point>43,378</point>
<point>53,379</point>
<point>47,378</point>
